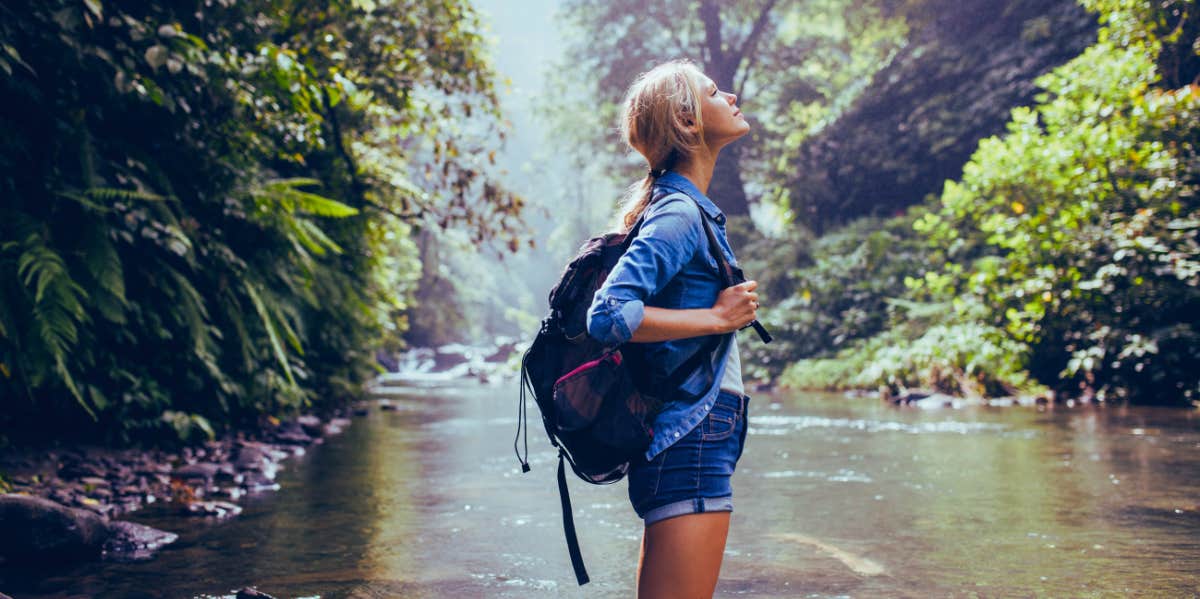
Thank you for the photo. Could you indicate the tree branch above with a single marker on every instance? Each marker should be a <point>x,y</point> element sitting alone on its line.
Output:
<point>746,52</point>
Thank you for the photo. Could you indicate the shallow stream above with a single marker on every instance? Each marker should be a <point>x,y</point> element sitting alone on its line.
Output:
<point>834,498</point>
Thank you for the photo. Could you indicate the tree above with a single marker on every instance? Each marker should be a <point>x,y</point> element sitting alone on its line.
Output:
<point>727,40</point>
<point>207,212</point>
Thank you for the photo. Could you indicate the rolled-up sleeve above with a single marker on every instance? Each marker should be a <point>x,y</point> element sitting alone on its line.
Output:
<point>666,242</point>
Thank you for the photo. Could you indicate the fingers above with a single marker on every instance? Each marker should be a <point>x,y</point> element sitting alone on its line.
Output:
<point>749,285</point>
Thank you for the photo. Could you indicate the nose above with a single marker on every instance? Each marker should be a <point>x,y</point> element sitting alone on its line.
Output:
<point>732,98</point>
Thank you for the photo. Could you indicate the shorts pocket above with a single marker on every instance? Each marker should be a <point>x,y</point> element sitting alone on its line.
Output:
<point>722,420</point>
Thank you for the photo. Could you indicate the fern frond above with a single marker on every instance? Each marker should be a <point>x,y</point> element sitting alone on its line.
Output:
<point>293,199</point>
<point>83,201</point>
<point>192,310</point>
<point>319,234</point>
<point>110,194</point>
<point>102,262</point>
<point>272,335</point>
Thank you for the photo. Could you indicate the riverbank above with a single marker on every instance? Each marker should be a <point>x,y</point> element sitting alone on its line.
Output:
<point>85,491</point>
<point>72,497</point>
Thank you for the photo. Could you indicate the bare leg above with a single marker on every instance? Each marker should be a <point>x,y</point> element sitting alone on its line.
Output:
<point>681,556</point>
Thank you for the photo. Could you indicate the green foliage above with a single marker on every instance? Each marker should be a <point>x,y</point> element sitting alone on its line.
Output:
<point>921,98</point>
<point>1078,228</point>
<point>822,295</point>
<point>204,221</point>
<point>970,359</point>
<point>1066,256</point>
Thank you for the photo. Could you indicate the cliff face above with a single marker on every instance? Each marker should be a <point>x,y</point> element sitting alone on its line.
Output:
<point>969,63</point>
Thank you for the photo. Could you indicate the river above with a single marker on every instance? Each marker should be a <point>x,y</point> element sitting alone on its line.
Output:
<point>834,498</point>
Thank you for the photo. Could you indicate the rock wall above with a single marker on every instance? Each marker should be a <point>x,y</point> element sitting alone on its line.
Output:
<point>955,83</point>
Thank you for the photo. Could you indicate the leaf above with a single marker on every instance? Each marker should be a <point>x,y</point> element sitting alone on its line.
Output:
<point>16,57</point>
<point>156,55</point>
<point>272,335</point>
<point>96,8</point>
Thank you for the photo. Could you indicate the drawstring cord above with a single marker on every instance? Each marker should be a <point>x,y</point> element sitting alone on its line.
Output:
<point>522,417</point>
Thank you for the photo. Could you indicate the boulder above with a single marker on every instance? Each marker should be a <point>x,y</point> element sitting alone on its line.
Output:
<point>131,540</point>
<point>33,528</point>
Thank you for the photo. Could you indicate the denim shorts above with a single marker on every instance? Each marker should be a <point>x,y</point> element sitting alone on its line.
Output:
<point>693,475</point>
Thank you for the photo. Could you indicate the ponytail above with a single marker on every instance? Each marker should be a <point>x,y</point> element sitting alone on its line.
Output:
<point>637,198</point>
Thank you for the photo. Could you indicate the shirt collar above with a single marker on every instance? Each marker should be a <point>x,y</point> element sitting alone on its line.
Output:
<point>681,183</point>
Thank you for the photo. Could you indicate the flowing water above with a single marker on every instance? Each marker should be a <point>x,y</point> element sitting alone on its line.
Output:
<point>834,497</point>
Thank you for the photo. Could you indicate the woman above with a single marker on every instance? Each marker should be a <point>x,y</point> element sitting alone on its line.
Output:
<point>665,293</point>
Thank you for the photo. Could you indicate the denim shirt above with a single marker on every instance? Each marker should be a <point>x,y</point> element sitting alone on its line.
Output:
<point>668,265</point>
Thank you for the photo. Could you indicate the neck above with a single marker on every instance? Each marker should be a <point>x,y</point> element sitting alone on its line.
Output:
<point>699,169</point>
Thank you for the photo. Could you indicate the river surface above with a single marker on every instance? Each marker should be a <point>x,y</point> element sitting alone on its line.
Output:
<point>834,497</point>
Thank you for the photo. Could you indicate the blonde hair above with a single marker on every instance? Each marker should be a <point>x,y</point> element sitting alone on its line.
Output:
<point>656,118</point>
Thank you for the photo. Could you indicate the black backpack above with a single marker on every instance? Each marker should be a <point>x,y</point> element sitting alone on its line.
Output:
<point>596,413</point>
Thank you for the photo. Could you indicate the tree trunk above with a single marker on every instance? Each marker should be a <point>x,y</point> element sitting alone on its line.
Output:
<point>726,188</point>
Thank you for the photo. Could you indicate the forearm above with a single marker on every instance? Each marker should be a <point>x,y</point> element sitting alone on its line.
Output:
<point>664,324</point>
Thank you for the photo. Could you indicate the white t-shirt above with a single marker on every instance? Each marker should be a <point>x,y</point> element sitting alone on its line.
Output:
<point>731,380</point>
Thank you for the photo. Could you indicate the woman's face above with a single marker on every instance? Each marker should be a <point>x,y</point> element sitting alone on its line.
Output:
<point>723,121</point>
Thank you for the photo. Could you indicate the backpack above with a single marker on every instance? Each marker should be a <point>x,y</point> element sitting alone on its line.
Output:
<point>596,413</point>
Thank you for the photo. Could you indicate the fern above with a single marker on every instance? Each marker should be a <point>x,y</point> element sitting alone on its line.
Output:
<point>103,265</point>
<point>272,335</point>
<point>112,194</point>
<point>286,192</point>
<point>57,310</point>
<point>94,199</point>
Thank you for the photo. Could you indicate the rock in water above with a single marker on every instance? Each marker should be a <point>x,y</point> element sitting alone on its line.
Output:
<point>130,540</point>
<point>252,593</point>
<point>33,528</point>
<point>217,509</point>
<point>200,470</point>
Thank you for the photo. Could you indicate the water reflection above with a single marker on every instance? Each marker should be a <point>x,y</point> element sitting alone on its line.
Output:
<point>835,497</point>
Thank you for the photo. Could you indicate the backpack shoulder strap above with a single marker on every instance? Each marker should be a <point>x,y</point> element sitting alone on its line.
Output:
<point>568,517</point>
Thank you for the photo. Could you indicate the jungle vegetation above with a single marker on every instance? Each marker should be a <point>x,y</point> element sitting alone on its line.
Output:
<point>209,209</point>
<point>979,198</point>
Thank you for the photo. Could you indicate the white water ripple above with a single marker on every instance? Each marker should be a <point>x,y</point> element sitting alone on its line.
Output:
<point>772,424</point>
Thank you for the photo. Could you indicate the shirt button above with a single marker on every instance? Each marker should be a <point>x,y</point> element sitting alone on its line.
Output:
<point>721,219</point>
<point>676,434</point>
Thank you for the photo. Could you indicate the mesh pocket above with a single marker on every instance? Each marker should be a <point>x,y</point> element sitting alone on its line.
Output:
<point>579,394</point>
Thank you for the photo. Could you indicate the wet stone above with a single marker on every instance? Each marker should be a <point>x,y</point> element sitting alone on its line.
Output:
<point>213,509</point>
<point>130,540</point>
<point>259,481</point>
<point>293,438</point>
<point>94,481</point>
<point>79,469</point>
<point>232,493</point>
<point>311,424</point>
<point>252,458</point>
<point>252,593</point>
<point>200,470</point>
